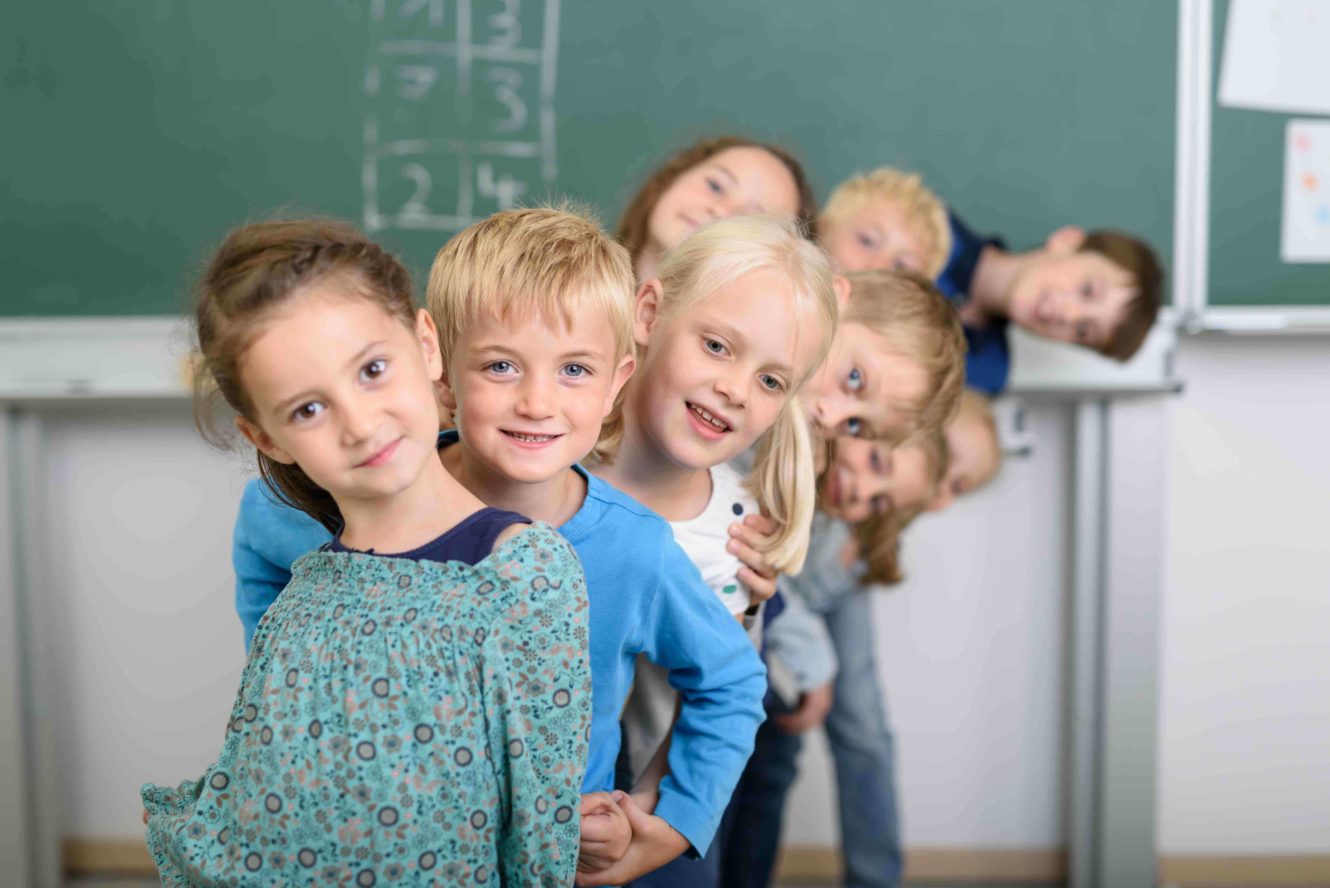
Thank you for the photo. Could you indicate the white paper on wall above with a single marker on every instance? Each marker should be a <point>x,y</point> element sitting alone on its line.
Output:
<point>1306,229</point>
<point>1277,56</point>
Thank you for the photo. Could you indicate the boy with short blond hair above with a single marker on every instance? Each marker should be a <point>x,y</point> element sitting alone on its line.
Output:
<point>534,310</point>
<point>886,220</point>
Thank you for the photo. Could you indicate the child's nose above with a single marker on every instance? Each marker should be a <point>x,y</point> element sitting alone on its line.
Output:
<point>537,398</point>
<point>357,422</point>
<point>734,387</point>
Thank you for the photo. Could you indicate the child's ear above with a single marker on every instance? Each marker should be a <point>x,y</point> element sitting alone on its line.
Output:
<point>428,336</point>
<point>622,374</point>
<point>444,391</point>
<point>841,284</point>
<point>1066,240</point>
<point>646,312</point>
<point>263,441</point>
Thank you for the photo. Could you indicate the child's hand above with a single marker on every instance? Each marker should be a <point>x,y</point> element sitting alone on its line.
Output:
<point>813,708</point>
<point>605,833</point>
<point>647,797</point>
<point>745,537</point>
<point>655,843</point>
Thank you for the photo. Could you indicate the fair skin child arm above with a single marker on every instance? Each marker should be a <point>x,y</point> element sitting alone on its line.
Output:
<point>606,833</point>
<point>655,843</point>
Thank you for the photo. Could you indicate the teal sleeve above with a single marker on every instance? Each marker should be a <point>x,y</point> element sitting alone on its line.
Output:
<point>721,682</point>
<point>538,713</point>
<point>269,536</point>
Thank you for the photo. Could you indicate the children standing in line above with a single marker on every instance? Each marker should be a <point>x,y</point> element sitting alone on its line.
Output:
<point>534,309</point>
<point>418,715</point>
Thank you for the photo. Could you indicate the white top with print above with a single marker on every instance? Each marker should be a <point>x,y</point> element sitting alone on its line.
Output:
<point>704,538</point>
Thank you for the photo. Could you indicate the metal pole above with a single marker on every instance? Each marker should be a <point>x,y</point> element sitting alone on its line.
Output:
<point>1087,559</point>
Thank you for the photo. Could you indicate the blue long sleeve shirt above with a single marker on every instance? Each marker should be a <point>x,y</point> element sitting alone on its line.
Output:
<point>987,356</point>
<point>646,597</point>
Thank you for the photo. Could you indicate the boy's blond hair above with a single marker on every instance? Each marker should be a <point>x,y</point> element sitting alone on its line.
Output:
<point>556,262</point>
<point>916,321</point>
<point>783,478</point>
<point>921,207</point>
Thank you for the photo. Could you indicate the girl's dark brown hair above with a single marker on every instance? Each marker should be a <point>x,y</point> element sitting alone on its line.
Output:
<point>632,229</point>
<point>256,270</point>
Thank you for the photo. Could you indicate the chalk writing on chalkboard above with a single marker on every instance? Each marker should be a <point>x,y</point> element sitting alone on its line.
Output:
<point>460,120</point>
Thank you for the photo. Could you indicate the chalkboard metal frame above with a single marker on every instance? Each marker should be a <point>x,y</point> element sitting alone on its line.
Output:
<point>1191,310</point>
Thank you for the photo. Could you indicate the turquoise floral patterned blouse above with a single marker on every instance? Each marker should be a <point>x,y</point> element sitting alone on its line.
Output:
<point>399,721</point>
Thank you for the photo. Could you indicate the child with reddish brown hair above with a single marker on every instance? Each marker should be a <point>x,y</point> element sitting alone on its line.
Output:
<point>714,178</point>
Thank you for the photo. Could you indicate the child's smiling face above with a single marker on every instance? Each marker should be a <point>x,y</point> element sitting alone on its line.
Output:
<point>1071,295</point>
<point>344,389</point>
<point>871,478</point>
<point>863,389</point>
<point>876,236</point>
<point>715,376</point>
<point>738,181</point>
<point>529,396</point>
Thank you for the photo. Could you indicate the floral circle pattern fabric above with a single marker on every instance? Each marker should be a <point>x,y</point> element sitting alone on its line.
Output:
<point>399,721</point>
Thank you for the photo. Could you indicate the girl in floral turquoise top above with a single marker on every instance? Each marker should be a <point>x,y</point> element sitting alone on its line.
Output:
<point>419,716</point>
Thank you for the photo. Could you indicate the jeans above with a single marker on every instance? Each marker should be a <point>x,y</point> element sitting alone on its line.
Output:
<point>862,747</point>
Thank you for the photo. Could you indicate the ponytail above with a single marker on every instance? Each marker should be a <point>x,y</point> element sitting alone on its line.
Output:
<point>785,486</point>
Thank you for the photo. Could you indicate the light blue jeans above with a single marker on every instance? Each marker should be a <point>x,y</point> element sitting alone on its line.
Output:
<point>863,749</point>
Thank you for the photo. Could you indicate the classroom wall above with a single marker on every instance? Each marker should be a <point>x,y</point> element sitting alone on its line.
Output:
<point>1245,696</point>
<point>140,649</point>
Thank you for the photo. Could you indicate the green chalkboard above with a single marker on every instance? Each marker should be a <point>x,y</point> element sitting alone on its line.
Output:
<point>139,131</point>
<point>1246,203</point>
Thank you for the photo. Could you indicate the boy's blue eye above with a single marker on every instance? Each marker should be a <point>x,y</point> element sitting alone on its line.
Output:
<point>853,427</point>
<point>715,346</point>
<point>576,371</point>
<point>771,383</point>
<point>306,412</point>
<point>373,370</point>
<point>854,380</point>
<point>499,366</point>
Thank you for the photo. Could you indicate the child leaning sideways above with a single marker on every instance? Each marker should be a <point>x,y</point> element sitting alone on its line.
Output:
<point>419,715</point>
<point>534,309</point>
<point>741,314</point>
